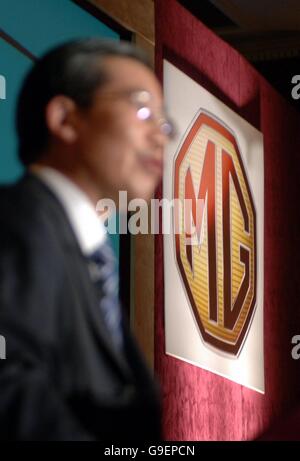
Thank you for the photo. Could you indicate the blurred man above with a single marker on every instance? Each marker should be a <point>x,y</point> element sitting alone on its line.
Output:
<point>90,122</point>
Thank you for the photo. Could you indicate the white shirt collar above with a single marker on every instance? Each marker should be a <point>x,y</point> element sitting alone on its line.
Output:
<point>87,225</point>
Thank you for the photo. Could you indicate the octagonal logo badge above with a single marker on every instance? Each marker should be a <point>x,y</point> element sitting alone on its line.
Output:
<point>218,264</point>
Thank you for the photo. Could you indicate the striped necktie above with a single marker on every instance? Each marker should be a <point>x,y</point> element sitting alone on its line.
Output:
<point>103,270</point>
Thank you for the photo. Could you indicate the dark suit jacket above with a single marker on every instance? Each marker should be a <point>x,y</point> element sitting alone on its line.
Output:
<point>62,378</point>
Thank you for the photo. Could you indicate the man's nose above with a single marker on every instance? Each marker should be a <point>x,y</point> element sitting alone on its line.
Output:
<point>160,134</point>
<point>158,139</point>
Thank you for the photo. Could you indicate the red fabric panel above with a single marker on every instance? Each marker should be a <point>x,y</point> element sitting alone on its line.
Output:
<point>199,405</point>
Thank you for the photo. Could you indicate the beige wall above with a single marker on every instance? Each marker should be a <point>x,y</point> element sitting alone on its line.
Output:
<point>138,17</point>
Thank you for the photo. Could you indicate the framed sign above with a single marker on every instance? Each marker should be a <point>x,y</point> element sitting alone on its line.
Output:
<point>213,255</point>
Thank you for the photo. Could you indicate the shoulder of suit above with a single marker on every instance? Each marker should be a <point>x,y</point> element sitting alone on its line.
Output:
<point>26,208</point>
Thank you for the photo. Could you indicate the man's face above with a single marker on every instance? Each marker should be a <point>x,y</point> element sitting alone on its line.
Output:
<point>118,149</point>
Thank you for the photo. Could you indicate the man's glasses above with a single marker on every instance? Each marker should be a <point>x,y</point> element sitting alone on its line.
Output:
<point>141,99</point>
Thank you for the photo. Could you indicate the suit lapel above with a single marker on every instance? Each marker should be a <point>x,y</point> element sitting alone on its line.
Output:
<point>78,266</point>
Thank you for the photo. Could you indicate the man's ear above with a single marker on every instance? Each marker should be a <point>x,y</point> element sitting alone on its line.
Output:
<point>60,118</point>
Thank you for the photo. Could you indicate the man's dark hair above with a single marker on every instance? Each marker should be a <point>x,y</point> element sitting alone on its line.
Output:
<point>74,70</point>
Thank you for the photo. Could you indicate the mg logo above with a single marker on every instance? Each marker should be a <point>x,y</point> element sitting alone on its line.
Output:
<point>218,262</point>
